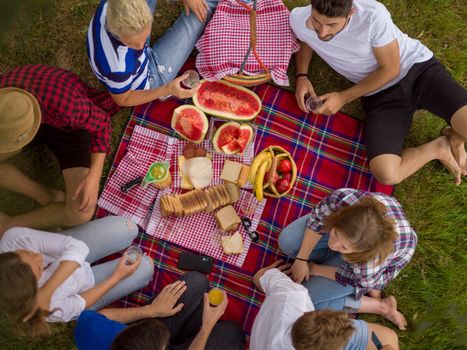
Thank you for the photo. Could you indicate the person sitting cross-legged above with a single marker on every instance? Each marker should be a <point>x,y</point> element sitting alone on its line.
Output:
<point>43,104</point>
<point>352,243</point>
<point>393,74</point>
<point>46,277</point>
<point>122,59</point>
<point>287,319</point>
<point>179,317</point>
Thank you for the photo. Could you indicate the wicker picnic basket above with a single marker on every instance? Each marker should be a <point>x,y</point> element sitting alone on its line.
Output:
<point>240,78</point>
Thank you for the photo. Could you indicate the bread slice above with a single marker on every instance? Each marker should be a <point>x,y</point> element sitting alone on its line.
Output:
<point>233,191</point>
<point>227,218</point>
<point>185,183</point>
<point>231,171</point>
<point>232,244</point>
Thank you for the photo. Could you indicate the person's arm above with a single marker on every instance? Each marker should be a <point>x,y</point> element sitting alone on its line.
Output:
<point>300,269</point>
<point>388,58</point>
<point>92,295</point>
<point>88,190</point>
<point>303,84</point>
<point>162,306</point>
<point>272,281</point>
<point>132,98</point>
<point>64,270</point>
<point>211,314</point>
<point>386,336</point>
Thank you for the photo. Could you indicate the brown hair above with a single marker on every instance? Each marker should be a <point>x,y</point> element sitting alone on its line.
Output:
<point>18,291</point>
<point>332,8</point>
<point>322,330</point>
<point>370,232</point>
<point>150,334</point>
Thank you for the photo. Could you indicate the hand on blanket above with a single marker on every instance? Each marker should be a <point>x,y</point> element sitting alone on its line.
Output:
<point>277,264</point>
<point>164,304</point>
<point>199,8</point>
<point>303,88</point>
<point>300,271</point>
<point>176,89</point>
<point>332,103</point>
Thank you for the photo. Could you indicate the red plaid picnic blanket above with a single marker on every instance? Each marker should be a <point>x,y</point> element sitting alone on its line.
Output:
<point>330,154</point>
<point>226,39</point>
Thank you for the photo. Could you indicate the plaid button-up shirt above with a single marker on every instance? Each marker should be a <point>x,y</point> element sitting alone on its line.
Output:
<point>370,275</point>
<point>66,101</point>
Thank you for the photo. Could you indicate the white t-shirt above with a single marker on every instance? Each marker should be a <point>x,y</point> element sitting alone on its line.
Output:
<point>285,302</point>
<point>54,249</point>
<point>350,51</point>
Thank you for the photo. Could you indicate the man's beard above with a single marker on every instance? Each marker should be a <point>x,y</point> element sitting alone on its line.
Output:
<point>327,37</point>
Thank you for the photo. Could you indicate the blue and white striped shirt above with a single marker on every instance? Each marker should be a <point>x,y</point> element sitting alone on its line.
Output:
<point>117,66</point>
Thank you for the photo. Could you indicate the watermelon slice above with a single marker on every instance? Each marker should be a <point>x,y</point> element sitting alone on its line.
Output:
<point>232,138</point>
<point>190,123</point>
<point>227,101</point>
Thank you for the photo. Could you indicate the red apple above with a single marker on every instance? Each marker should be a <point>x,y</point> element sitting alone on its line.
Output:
<point>282,185</point>
<point>287,176</point>
<point>284,166</point>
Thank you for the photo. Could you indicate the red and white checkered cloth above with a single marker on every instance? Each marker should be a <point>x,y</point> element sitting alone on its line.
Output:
<point>200,232</point>
<point>145,147</point>
<point>226,39</point>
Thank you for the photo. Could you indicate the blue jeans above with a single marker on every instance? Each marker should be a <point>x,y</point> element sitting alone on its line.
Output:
<point>171,51</point>
<point>325,293</point>
<point>106,236</point>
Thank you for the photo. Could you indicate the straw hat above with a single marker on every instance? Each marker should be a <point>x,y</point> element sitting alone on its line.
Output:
<point>20,118</point>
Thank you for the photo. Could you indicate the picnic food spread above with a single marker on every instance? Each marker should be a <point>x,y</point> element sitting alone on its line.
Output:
<point>232,138</point>
<point>190,123</point>
<point>227,101</point>
<point>273,173</point>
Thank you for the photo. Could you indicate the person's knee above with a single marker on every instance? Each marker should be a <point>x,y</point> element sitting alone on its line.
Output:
<point>146,268</point>
<point>387,175</point>
<point>286,244</point>
<point>75,217</point>
<point>121,226</point>
<point>196,281</point>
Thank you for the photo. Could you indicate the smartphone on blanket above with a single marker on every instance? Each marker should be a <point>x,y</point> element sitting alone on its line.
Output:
<point>194,262</point>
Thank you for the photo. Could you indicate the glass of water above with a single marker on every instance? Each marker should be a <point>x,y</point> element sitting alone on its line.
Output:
<point>313,103</point>
<point>192,80</point>
<point>132,253</point>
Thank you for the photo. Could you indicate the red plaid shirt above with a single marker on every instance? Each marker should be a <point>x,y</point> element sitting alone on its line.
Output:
<point>370,275</point>
<point>66,101</point>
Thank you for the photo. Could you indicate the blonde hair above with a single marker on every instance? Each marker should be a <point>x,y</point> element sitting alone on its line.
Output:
<point>18,292</point>
<point>364,224</point>
<point>128,17</point>
<point>322,330</point>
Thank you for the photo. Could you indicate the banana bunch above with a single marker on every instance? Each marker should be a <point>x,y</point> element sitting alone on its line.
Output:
<point>267,160</point>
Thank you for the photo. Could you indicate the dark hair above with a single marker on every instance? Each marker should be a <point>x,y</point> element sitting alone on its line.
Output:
<point>332,8</point>
<point>365,224</point>
<point>150,334</point>
<point>18,292</point>
<point>322,330</point>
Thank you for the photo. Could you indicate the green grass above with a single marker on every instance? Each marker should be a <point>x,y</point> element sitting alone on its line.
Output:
<point>431,291</point>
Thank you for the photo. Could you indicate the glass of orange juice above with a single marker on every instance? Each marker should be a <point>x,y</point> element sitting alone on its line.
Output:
<point>215,296</point>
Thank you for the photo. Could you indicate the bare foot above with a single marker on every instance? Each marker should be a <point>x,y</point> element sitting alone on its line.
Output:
<point>447,159</point>
<point>457,148</point>
<point>53,196</point>
<point>3,223</point>
<point>392,314</point>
